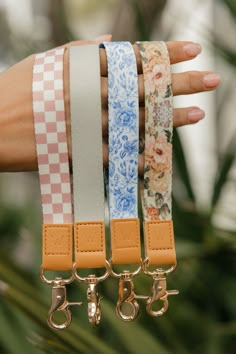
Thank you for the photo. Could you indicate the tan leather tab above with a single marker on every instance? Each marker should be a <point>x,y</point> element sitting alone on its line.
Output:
<point>159,242</point>
<point>90,251</point>
<point>57,246</point>
<point>125,241</point>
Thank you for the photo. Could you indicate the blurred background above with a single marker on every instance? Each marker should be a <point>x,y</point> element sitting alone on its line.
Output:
<point>202,319</point>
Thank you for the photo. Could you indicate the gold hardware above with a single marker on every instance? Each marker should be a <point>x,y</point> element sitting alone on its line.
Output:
<point>145,265</point>
<point>51,281</point>
<point>119,275</point>
<point>159,293</point>
<point>94,301</point>
<point>128,298</point>
<point>94,306</point>
<point>127,307</point>
<point>158,290</point>
<point>87,279</point>
<point>60,303</point>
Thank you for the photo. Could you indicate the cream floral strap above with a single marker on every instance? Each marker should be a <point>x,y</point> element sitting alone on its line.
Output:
<point>159,237</point>
<point>158,131</point>
<point>158,226</point>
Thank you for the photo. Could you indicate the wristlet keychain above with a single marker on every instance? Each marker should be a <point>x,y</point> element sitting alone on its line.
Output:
<point>158,225</point>
<point>123,129</point>
<point>89,226</point>
<point>53,166</point>
<point>88,181</point>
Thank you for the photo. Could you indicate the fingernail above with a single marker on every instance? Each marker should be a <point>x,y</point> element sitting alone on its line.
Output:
<point>211,80</point>
<point>195,115</point>
<point>192,49</point>
<point>104,38</point>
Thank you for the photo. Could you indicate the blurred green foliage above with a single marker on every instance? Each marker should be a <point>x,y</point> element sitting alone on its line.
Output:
<point>202,319</point>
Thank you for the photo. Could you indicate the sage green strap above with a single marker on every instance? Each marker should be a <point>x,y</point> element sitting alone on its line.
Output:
<point>87,158</point>
<point>85,96</point>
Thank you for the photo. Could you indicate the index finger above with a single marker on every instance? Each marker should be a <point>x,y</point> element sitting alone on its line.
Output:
<point>178,52</point>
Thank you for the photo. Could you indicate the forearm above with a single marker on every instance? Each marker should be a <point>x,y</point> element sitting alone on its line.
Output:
<point>17,139</point>
<point>17,144</point>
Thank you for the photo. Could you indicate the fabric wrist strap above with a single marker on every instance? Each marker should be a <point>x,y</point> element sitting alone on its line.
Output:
<point>159,235</point>
<point>53,164</point>
<point>123,129</point>
<point>87,158</point>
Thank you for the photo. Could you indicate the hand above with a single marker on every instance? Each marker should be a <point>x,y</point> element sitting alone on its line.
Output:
<point>17,144</point>
<point>17,139</point>
<point>182,84</point>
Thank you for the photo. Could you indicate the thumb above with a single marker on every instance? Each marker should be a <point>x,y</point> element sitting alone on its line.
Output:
<point>103,38</point>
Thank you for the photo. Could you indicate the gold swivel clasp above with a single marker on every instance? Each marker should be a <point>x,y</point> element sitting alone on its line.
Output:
<point>159,294</point>
<point>94,301</point>
<point>127,307</point>
<point>60,304</point>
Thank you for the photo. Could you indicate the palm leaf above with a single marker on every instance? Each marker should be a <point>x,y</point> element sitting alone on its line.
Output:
<point>224,169</point>
<point>181,164</point>
<point>135,338</point>
<point>231,5</point>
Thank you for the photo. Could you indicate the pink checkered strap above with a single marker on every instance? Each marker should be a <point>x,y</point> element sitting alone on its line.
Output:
<point>53,162</point>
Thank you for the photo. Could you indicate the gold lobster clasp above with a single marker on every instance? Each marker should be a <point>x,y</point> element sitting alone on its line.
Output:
<point>127,307</point>
<point>159,293</point>
<point>60,303</point>
<point>94,301</point>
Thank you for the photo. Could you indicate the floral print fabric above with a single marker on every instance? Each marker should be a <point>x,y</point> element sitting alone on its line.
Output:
<point>123,129</point>
<point>158,131</point>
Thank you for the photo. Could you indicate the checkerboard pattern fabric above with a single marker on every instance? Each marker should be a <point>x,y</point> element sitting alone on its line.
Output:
<point>50,135</point>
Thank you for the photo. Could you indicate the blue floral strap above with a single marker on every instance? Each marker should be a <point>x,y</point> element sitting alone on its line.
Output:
<point>123,129</point>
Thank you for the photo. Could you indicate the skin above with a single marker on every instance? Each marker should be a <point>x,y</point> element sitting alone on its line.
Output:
<point>17,142</point>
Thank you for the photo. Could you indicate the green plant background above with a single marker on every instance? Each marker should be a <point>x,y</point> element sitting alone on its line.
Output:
<point>202,319</point>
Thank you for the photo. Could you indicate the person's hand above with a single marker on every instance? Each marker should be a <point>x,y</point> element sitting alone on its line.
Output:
<point>17,138</point>
<point>17,144</point>
<point>182,84</point>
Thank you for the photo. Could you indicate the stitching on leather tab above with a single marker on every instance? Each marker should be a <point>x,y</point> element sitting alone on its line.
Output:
<point>149,236</point>
<point>67,252</point>
<point>91,225</point>
<point>136,233</point>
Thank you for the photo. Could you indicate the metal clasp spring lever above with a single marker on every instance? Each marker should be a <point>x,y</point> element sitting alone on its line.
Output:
<point>60,303</point>
<point>94,306</point>
<point>159,292</point>
<point>94,301</point>
<point>128,297</point>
